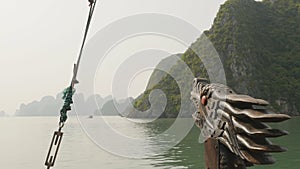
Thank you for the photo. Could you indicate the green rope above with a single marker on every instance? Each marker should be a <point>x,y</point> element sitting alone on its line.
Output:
<point>67,97</point>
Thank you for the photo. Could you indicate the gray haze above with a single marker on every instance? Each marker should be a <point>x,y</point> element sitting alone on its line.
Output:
<point>39,40</point>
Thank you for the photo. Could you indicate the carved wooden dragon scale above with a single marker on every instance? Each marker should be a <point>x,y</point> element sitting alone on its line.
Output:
<point>233,126</point>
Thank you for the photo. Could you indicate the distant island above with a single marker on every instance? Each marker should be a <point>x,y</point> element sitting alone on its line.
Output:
<point>93,105</point>
<point>114,107</point>
<point>259,45</point>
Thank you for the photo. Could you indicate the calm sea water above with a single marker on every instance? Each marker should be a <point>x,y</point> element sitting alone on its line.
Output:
<point>24,142</point>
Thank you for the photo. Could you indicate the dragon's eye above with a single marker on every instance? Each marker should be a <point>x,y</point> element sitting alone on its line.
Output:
<point>204,100</point>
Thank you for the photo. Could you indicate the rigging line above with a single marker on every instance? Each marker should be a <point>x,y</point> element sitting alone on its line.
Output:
<point>67,97</point>
<point>86,30</point>
<point>76,66</point>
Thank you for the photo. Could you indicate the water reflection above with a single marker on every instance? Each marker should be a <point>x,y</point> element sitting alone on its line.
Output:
<point>123,137</point>
<point>77,151</point>
<point>188,153</point>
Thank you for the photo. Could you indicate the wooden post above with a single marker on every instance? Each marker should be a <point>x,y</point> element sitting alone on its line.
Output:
<point>217,156</point>
<point>211,151</point>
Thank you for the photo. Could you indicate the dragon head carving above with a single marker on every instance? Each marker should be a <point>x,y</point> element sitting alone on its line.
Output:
<point>236,121</point>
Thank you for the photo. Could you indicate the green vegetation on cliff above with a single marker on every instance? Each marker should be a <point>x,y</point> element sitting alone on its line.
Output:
<point>259,46</point>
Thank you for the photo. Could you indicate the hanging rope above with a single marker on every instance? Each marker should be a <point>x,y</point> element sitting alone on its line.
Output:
<point>68,92</point>
<point>68,96</point>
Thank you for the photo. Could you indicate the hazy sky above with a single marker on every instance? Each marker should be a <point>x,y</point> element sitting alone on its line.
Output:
<point>39,40</point>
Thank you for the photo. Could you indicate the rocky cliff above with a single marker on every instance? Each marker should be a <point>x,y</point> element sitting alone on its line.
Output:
<point>258,43</point>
